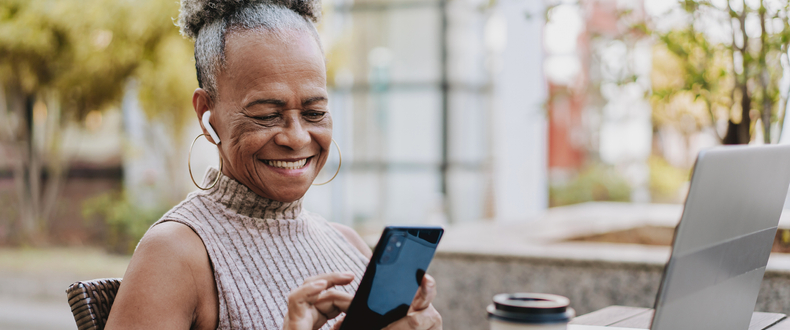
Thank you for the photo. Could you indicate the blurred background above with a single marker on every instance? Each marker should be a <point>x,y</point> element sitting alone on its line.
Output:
<point>464,113</point>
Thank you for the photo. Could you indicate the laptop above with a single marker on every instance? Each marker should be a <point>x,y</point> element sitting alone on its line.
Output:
<point>723,240</point>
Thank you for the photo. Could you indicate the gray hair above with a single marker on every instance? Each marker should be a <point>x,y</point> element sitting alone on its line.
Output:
<point>208,22</point>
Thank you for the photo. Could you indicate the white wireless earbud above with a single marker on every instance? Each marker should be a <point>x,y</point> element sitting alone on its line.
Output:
<point>207,125</point>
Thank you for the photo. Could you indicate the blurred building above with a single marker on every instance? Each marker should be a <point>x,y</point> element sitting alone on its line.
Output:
<point>598,70</point>
<point>442,111</point>
<point>438,109</point>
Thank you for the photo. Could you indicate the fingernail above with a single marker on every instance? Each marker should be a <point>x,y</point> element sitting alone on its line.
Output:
<point>319,284</point>
<point>347,274</point>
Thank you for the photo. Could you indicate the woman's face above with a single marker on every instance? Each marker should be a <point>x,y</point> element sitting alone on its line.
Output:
<point>271,114</point>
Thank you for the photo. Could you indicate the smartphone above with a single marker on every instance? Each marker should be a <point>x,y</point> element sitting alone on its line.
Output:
<point>393,277</point>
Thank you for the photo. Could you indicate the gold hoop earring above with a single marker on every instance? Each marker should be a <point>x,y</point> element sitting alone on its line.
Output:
<point>339,163</point>
<point>189,165</point>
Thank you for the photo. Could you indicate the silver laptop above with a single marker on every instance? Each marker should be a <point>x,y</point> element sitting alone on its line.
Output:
<point>723,240</point>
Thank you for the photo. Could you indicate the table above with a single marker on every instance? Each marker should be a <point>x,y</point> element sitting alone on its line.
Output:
<point>638,317</point>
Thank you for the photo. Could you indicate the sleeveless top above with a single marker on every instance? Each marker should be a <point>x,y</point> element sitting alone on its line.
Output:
<point>261,249</point>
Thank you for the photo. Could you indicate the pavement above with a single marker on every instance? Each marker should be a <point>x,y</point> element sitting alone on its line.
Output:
<point>33,284</point>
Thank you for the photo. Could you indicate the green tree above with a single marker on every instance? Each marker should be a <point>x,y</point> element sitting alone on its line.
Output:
<point>734,80</point>
<point>73,57</point>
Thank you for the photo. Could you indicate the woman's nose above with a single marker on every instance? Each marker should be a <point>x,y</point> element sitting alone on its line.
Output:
<point>293,135</point>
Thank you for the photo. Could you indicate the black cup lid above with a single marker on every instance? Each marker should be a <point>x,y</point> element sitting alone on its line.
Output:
<point>531,308</point>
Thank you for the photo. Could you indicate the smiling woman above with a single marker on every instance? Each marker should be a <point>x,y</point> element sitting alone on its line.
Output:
<point>271,112</point>
<point>242,253</point>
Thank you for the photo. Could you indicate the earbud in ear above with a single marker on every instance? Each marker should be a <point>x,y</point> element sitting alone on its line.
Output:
<point>207,125</point>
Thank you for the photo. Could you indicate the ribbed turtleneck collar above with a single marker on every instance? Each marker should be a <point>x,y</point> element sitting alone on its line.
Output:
<point>236,196</point>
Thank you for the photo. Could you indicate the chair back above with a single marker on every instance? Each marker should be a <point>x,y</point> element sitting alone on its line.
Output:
<point>91,301</point>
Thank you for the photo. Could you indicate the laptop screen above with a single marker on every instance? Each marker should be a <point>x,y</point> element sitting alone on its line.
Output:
<point>724,238</point>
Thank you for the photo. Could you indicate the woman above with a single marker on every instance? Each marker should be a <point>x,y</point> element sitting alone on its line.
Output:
<point>243,253</point>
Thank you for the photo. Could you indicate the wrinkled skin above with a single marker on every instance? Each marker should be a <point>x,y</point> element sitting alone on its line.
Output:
<point>271,106</point>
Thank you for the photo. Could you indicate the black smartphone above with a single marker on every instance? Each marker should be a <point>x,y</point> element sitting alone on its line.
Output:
<point>393,277</point>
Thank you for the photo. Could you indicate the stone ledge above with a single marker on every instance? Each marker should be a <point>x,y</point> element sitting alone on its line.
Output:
<point>545,236</point>
<point>613,255</point>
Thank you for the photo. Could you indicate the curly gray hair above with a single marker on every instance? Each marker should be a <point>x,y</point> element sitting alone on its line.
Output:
<point>209,21</point>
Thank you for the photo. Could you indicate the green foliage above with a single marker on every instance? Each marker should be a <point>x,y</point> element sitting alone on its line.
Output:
<point>733,81</point>
<point>666,181</point>
<point>86,50</point>
<point>79,56</point>
<point>125,222</point>
<point>597,182</point>
<point>692,82</point>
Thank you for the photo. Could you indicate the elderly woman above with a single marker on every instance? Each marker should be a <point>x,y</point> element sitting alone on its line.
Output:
<point>243,253</point>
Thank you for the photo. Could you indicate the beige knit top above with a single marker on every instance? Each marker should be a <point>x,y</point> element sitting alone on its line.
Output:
<point>261,249</point>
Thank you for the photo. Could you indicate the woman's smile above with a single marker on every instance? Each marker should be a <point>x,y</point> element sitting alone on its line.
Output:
<point>289,167</point>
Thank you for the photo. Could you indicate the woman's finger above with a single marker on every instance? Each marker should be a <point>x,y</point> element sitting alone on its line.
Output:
<point>333,302</point>
<point>425,295</point>
<point>332,279</point>
<point>301,314</point>
<point>426,319</point>
<point>339,322</point>
<point>312,303</point>
<point>306,294</point>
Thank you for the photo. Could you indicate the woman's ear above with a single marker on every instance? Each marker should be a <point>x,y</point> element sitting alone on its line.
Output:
<point>202,103</point>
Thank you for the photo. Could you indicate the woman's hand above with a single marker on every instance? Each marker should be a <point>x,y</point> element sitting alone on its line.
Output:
<point>315,302</point>
<point>421,315</point>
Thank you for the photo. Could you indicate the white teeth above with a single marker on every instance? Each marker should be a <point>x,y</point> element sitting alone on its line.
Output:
<point>287,165</point>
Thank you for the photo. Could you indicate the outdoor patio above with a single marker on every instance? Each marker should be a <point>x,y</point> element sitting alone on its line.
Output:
<point>530,256</point>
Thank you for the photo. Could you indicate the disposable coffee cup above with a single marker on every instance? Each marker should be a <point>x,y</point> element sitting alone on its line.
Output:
<point>529,311</point>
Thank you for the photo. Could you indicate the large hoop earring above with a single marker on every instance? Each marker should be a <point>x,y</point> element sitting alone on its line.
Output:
<point>189,165</point>
<point>339,163</point>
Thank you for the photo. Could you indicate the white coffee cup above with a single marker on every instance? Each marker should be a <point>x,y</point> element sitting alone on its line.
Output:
<point>529,311</point>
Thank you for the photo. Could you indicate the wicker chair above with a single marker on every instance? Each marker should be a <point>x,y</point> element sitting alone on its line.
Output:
<point>91,301</point>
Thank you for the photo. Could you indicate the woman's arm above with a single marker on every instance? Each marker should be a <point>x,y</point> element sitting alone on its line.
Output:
<point>169,283</point>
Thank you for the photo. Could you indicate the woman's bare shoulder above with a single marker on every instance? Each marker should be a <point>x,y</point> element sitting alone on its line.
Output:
<point>169,245</point>
<point>353,237</point>
<point>169,283</point>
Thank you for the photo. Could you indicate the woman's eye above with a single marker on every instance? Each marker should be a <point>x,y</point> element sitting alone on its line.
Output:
<point>315,115</point>
<point>269,117</point>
